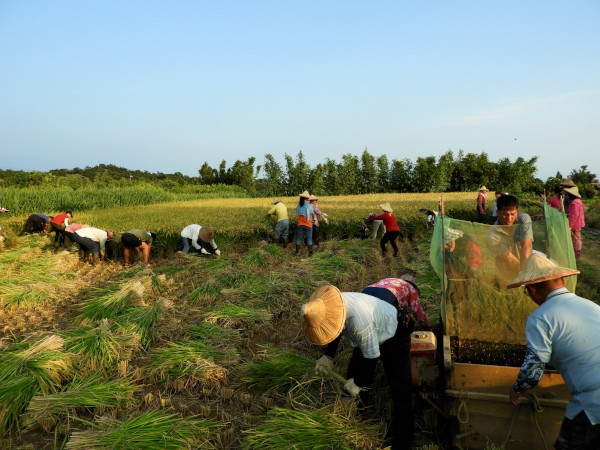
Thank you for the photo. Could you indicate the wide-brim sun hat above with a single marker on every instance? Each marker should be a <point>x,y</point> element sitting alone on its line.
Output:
<point>305,194</point>
<point>573,191</point>
<point>410,279</point>
<point>567,183</point>
<point>324,315</point>
<point>483,188</point>
<point>313,198</point>
<point>206,234</point>
<point>452,234</point>
<point>386,207</point>
<point>539,268</point>
<point>276,200</point>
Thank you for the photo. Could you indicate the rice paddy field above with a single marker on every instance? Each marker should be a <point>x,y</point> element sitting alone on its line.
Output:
<point>197,352</point>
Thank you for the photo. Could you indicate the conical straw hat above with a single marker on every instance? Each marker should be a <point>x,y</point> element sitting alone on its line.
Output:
<point>567,183</point>
<point>452,234</point>
<point>324,315</point>
<point>206,234</point>
<point>386,207</point>
<point>305,194</point>
<point>276,200</point>
<point>483,188</point>
<point>573,191</point>
<point>538,268</point>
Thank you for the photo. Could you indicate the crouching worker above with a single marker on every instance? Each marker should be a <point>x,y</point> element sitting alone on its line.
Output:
<point>36,223</point>
<point>141,242</point>
<point>378,323</point>
<point>58,224</point>
<point>92,240</point>
<point>562,332</point>
<point>201,238</point>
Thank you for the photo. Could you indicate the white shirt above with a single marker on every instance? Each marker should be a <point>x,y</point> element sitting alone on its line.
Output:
<point>95,234</point>
<point>192,232</point>
<point>369,322</point>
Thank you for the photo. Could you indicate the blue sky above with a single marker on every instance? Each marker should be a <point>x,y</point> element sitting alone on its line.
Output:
<point>167,85</point>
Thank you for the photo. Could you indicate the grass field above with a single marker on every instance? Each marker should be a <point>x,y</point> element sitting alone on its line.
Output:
<point>195,352</point>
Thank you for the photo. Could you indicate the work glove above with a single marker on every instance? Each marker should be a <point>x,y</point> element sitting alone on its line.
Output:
<point>325,220</point>
<point>218,252</point>
<point>324,365</point>
<point>203,251</point>
<point>351,387</point>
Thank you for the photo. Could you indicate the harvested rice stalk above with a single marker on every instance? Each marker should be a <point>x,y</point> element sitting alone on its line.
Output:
<point>276,369</point>
<point>149,430</point>
<point>90,392</point>
<point>143,319</point>
<point>190,363</point>
<point>26,369</point>
<point>99,348</point>
<point>113,301</point>
<point>232,315</point>
<point>311,429</point>
<point>214,335</point>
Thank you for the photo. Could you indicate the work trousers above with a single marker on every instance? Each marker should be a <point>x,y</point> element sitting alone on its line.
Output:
<point>389,236</point>
<point>395,355</point>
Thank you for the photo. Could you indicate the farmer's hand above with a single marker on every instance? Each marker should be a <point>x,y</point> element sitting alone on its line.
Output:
<point>203,251</point>
<point>218,252</point>
<point>324,365</point>
<point>351,387</point>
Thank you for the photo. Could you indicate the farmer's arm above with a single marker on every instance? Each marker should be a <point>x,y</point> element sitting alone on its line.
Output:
<point>529,375</point>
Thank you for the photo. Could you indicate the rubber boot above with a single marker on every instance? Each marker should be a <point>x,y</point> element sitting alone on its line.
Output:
<point>297,249</point>
<point>310,250</point>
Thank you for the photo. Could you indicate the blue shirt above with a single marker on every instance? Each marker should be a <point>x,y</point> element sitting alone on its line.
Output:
<point>565,332</point>
<point>369,322</point>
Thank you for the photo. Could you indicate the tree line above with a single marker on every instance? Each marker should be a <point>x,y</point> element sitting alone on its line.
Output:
<point>367,174</point>
<point>364,174</point>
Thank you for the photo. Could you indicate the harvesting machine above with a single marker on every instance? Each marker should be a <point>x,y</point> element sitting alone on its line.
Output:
<point>466,368</point>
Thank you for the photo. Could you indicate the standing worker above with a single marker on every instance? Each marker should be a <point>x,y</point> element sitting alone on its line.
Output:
<point>316,216</point>
<point>562,332</point>
<point>141,242</point>
<point>510,246</point>
<point>58,224</point>
<point>201,238</point>
<point>282,227</point>
<point>392,230</point>
<point>576,218</point>
<point>378,322</point>
<point>481,199</point>
<point>304,211</point>
<point>93,240</point>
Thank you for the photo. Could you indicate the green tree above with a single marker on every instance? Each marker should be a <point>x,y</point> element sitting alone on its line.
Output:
<point>207,174</point>
<point>383,174</point>
<point>583,178</point>
<point>349,171</point>
<point>297,174</point>
<point>401,175</point>
<point>425,174</point>
<point>367,181</point>
<point>273,176</point>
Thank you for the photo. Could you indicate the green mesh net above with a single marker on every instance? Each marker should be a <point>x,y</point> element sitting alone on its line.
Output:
<point>475,262</point>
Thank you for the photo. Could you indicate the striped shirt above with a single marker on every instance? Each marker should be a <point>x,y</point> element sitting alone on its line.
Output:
<point>369,322</point>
